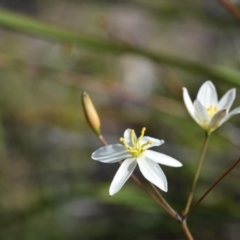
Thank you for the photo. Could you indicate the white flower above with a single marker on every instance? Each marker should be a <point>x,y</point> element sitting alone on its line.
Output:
<point>206,110</point>
<point>134,151</point>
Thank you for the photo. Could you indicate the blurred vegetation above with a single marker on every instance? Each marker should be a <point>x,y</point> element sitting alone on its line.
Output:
<point>133,58</point>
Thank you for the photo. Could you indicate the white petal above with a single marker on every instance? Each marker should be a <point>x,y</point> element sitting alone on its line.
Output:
<point>152,172</point>
<point>189,105</point>
<point>232,113</point>
<point>162,158</point>
<point>217,119</point>
<point>207,95</point>
<point>200,112</point>
<point>227,100</point>
<point>188,102</point>
<point>122,175</point>
<point>155,142</point>
<point>127,136</point>
<point>111,153</point>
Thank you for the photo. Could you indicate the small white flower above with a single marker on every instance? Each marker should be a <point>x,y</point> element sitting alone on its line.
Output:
<point>206,110</point>
<point>134,151</point>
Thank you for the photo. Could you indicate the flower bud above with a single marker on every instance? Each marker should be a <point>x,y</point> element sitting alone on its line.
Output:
<point>91,113</point>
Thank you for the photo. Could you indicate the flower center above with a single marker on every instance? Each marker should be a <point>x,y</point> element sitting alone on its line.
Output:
<point>136,148</point>
<point>211,111</point>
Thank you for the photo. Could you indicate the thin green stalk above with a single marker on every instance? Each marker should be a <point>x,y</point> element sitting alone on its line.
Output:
<point>214,185</point>
<point>195,180</point>
<point>102,140</point>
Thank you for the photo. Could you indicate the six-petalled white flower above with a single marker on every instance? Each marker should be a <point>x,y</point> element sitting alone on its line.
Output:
<point>134,151</point>
<point>206,110</point>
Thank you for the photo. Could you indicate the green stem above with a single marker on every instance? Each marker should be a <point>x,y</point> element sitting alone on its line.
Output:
<point>214,185</point>
<point>199,167</point>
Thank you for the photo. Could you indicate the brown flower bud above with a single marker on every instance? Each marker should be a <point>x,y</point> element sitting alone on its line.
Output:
<point>91,113</point>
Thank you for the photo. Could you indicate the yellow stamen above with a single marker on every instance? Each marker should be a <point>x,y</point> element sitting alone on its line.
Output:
<point>211,111</point>
<point>133,137</point>
<point>141,136</point>
<point>146,144</point>
<point>136,149</point>
<point>122,140</point>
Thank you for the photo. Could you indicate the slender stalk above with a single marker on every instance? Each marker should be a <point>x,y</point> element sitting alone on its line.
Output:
<point>140,184</point>
<point>214,185</point>
<point>195,180</point>
<point>102,140</point>
<point>232,8</point>
<point>174,213</point>
<point>186,230</point>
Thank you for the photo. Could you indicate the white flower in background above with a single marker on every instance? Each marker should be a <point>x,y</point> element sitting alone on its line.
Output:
<point>134,151</point>
<point>206,110</point>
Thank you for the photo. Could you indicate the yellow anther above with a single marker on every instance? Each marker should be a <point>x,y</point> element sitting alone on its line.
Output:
<point>141,136</point>
<point>124,142</point>
<point>143,131</point>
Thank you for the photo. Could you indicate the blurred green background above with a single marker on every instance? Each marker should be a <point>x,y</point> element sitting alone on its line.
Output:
<point>49,187</point>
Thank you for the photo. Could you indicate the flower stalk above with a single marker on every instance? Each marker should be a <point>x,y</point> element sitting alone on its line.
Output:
<point>199,167</point>
<point>213,186</point>
<point>186,230</point>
